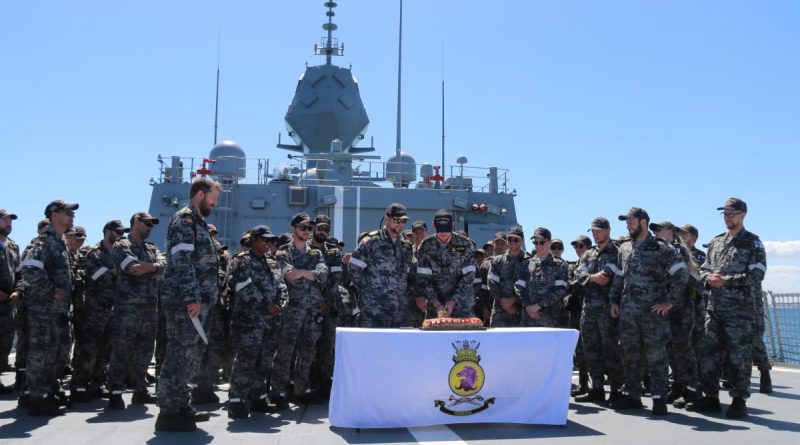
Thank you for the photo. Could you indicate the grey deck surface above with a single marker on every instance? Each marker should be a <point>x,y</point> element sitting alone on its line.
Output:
<point>773,419</point>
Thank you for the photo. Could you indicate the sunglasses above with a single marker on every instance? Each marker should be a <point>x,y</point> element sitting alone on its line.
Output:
<point>579,246</point>
<point>325,229</point>
<point>730,214</point>
<point>541,243</point>
<point>147,223</point>
<point>559,248</point>
<point>400,219</point>
<point>67,212</point>
<point>513,240</point>
<point>305,228</point>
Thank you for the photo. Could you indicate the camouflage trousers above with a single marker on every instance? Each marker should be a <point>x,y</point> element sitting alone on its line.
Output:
<point>502,319</point>
<point>23,335</point>
<point>92,345</point>
<point>253,333</point>
<point>184,351</point>
<point>132,339</point>
<point>601,347</point>
<point>683,359</point>
<point>548,318</point>
<point>326,349</point>
<point>48,325</point>
<point>214,357</point>
<point>385,313</point>
<point>728,329</point>
<point>161,339</point>
<point>644,333</point>
<point>6,330</point>
<point>300,329</point>
<point>579,360</point>
<point>760,357</point>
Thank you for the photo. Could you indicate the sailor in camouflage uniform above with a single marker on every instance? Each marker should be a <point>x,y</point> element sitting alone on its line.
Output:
<point>256,289</point>
<point>333,302</point>
<point>653,281</point>
<point>46,271</point>
<point>595,271</point>
<point>190,287</point>
<point>503,272</point>
<point>21,321</point>
<point>93,324</point>
<point>682,359</point>
<point>734,267</point>
<point>542,284</point>
<point>304,271</point>
<point>74,238</point>
<point>380,269</point>
<point>139,267</point>
<point>9,261</point>
<point>697,297</point>
<point>445,270</point>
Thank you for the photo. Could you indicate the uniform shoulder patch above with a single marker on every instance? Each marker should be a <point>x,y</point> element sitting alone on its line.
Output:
<point>240,254</point>
<point>374,233</point>
<point>758,244</point>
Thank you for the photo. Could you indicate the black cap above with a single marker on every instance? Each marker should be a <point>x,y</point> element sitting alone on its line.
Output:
<point>479,252</point>
<point>542,232</point>
<point>557,242</point>
<point>582,240</point>
<point>734,205</point>
<point>516,231</point>
<point>635,212</point>
<point>655,227</point>
<point>334,240</point>
<point>396,210</point>
<point>144,216</point>
<point>488,244</point>
<point>57,206</point>
<point>500,235</point>
<point>443,221</point>
<point>244,241</point>
<point>301,218</point>
<point>600,223</point>
<point>4,214</point>
<point>322,219</point>
<point>43,223</point>
<point>284,239</point>
<point>690,229</point>
<point>76,231</point>
<point>262,231</point>
<point>419,224</point>
<point>116,226</point>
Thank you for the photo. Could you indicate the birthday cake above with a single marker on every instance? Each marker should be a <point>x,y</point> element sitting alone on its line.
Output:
<point>452,324</point>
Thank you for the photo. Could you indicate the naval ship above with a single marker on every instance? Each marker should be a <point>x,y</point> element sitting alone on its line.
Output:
<point>328,171</point>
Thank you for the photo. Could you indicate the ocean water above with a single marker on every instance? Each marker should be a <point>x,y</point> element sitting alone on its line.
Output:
<point>783,340</point>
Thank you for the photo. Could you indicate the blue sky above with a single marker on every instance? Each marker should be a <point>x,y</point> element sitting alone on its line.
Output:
<point>594,106</point>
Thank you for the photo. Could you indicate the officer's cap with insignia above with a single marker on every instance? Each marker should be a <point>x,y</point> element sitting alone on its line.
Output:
<point>144,216</point>
<point>599,223</point>
<point>734,205</point>
<point>443,221</point>
<point>655,227</point>
<point>59,205</point>
<point>301,218</point>
<point>542,232</point>
<point>635,212</point>
<point>262,231</point>
<point>76,231</point>
<point>582,240</point>
<point>5,214</point>
<point>116,225</point>
<point>688,228</point>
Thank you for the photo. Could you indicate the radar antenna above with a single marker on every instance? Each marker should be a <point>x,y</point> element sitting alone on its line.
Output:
<point>330,45</point>
<point>216,98</point>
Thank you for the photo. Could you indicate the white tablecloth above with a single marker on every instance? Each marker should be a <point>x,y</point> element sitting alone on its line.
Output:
<point>388,378</point>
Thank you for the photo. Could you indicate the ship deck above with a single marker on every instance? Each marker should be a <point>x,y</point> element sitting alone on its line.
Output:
<point>772,420</point>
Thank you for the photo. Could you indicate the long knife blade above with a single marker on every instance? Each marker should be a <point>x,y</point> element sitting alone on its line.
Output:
<point>199,328</point>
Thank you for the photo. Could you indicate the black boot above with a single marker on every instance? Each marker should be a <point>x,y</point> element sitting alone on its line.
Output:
<point>260,404</point>
<point>204,395</point>
<point>689,396</point>
<point>628,402</point>
<point>596,395</point>
<point>583,385</point>
<point>115,402</point>
<point>80,395</point>
<point>195,415</point>
<point>675,393</point>
<point>705,405</point>
<point>237,410</point>
<point>737,410</point>
<point>24,400</point>
<point>766,382</point>
<point>47,406</point>
<point>659,407</point>
<point>5,389</point>
<point>175,422</point>
<point>280,401</point>
<point>614,397</point>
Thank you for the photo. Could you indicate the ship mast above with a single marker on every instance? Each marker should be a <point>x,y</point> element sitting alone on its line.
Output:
<point>329,45</point>
<point>399,77</point>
